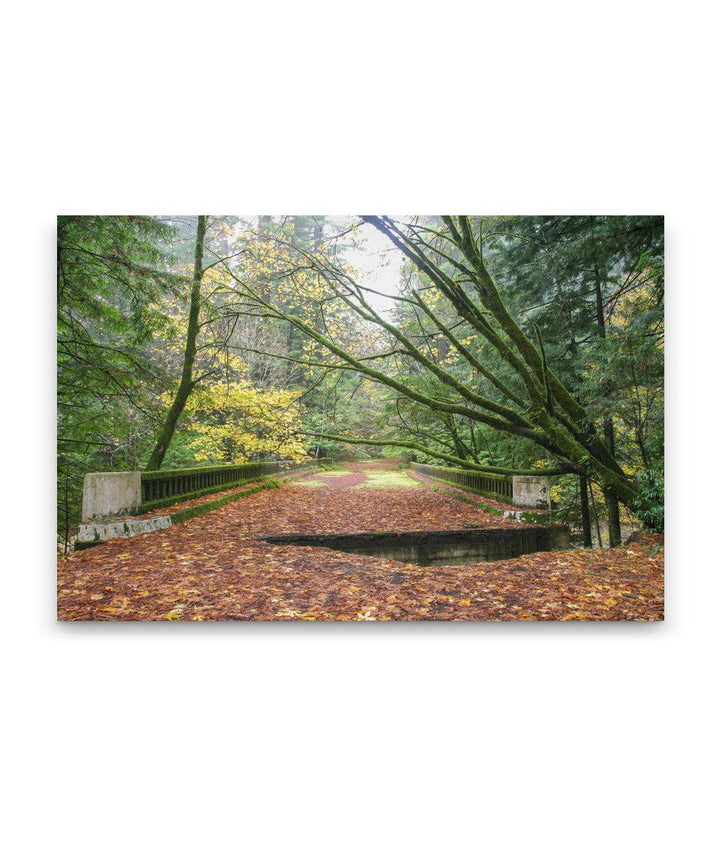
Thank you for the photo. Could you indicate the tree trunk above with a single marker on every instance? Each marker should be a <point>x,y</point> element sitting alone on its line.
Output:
<point>611,500</point>
<point>538,407</point>
<point>186,380</point>
<point>585,513</point>
<point>597,518</point>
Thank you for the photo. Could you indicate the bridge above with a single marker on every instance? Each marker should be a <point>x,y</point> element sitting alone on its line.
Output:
<point>115,504</point>
<point>360,541</point>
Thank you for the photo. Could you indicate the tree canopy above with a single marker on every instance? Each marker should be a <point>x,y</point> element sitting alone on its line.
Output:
<point>498,344</point>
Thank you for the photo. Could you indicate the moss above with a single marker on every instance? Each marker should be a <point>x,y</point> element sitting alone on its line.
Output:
<point>489,494</point>
<point>527,516</point>
<point>185,497</point>
<point>387,479</point>
<point>257,467</point>
<point>197,510</point>
<point>169,501</point>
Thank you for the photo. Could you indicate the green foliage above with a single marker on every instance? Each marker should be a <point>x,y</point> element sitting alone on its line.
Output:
<point>650,507</point>
<point>589,288</point>
<point>112,275</point>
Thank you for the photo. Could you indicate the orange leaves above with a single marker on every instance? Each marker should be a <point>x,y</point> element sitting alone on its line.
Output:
<point>214,568</point>
<point>367,615</point>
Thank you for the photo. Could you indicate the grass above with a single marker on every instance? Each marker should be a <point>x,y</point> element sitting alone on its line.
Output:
<point>314,481</point>
<point>388,479</point>
<point>391,479</point>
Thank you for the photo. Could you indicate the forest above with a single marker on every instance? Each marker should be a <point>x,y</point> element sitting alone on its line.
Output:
<point>491,344</point>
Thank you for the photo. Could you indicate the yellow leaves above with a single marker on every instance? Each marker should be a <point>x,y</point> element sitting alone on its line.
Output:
<point>175,614</point>
<point>239,422</point>
<point>367,615</point>
<point>296,613</point>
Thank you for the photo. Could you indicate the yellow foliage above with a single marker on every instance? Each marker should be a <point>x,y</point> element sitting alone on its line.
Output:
<point>237,422</point>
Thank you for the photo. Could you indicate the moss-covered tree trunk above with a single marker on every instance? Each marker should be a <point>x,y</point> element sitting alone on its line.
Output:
<point>536,406</point>
<point>611,500</point>
<point>585,513</point>
<point>559,422</point>
<point>186,380</point>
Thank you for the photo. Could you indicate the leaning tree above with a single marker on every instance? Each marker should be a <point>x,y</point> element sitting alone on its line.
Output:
<point>508,383</point>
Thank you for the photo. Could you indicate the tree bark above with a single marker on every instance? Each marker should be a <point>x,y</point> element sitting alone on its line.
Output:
<point>597,518</point>
<point>611,500</point>
<point>567,428</point>
<point>585,513</point>
<point>186,380</point>
<point>540,408</point>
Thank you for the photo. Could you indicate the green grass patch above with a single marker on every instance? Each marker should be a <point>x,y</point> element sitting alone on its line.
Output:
<point>391,479</point>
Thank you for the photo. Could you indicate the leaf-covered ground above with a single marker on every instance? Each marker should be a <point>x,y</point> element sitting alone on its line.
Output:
<point>200,500</point>
<point>214,568</point>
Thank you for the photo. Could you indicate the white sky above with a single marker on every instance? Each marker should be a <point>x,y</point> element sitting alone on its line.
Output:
<point>376,259</point>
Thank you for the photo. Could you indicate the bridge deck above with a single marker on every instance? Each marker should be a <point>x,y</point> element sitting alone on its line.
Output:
<point>213,567</point>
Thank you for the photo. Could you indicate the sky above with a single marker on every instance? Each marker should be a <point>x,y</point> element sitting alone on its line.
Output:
<point>376,259</point>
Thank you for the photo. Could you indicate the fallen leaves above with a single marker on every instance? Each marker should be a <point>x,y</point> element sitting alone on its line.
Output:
<point>213,568</point>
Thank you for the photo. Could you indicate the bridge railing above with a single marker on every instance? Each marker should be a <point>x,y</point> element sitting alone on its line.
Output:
<point>489,484</point>
<point>527,490</point>
<point>166,487</point>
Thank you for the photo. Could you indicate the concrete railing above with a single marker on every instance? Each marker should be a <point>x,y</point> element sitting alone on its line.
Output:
<point>520,490</point>
<point>161,485</point>
<point>111,495</point>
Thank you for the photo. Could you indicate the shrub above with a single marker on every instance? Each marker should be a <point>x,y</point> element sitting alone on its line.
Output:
<point>650,507</point>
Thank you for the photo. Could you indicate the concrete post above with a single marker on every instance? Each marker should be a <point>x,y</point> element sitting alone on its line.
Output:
<point>108,495</point>
<point>531,491</point>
